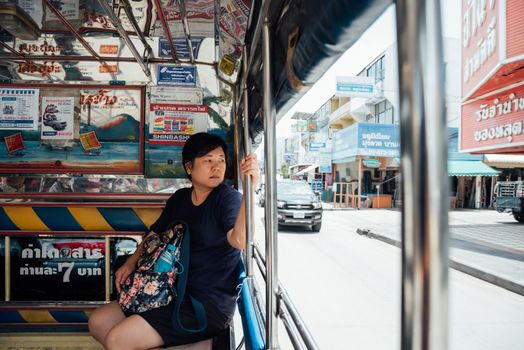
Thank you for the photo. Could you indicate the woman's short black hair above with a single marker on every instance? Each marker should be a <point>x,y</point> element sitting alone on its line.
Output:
<point>200,144</point>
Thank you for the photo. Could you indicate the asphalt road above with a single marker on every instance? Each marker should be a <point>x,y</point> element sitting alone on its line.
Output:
<point>347,289</point>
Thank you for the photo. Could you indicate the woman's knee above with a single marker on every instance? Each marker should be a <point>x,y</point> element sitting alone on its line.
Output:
<point>102,320</point>
<point>92,321</point>
<point>115,339</point>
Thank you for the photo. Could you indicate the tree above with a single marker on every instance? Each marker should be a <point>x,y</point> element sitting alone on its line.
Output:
<point>284,170</point>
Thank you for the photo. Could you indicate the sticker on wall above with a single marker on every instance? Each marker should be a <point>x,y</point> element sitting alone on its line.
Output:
<point>14,144</point>
<point>90,142</point>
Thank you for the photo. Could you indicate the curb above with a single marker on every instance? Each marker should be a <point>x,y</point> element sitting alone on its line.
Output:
<point>472,271</point>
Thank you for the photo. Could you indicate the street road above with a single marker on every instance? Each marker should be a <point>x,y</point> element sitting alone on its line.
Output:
<point>347,289</point>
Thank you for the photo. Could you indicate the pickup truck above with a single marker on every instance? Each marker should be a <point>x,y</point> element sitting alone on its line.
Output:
<point>510,198</point>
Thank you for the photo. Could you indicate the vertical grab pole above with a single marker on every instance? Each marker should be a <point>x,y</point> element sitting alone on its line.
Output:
<point>107,269</point>
<point>424,176</point>
<point>248,189</point>
<point>7,267</point>
<point>271,190</point>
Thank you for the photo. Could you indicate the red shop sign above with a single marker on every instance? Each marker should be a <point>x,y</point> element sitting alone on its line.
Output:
<point>493,122</point>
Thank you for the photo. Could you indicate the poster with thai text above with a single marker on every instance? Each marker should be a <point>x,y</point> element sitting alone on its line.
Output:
<point>19,109</point>
<point>57,118</point>
<point>174,124</point>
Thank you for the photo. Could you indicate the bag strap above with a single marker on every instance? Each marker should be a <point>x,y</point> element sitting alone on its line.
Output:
<point>198,307</point>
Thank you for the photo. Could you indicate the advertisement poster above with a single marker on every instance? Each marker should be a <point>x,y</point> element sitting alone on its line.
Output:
<point>19,109</point>
<point>57,118</point>
<point>174,124</point>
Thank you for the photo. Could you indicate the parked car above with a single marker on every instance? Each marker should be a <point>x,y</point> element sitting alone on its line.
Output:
<point>297,205</point>
<point>510,198</point>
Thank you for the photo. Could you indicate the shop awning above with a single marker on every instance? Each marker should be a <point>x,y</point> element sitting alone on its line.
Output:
<point>309,169</point>
<point>470,168</point>
<point>504,160</point>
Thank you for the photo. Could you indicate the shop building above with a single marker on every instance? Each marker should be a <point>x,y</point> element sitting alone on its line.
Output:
<point>366,163</point>
<point>492,112</point>
<point>492,115</point>
<point>370,99</point>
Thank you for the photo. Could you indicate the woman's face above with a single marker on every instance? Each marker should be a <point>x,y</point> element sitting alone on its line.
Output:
<point>208,170</point>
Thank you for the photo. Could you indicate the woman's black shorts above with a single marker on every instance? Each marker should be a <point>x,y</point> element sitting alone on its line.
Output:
<point>160,320</point>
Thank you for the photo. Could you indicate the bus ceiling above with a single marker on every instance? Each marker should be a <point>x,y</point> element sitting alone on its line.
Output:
<point>123,41</point>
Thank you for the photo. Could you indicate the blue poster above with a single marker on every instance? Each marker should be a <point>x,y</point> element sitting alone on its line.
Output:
<point>177,75</point>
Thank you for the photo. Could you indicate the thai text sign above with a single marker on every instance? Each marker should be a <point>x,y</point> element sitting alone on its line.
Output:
<point>480,42</point>
<point>57,268</point>
<point>380,140</point>
<point>493,122</point>
<point>356,86</point>
<point>177,75</point>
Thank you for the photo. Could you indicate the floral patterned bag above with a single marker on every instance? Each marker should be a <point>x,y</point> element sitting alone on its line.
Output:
<point>146,289</point>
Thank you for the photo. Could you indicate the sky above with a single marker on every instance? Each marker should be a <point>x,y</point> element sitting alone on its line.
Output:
<point>373,42</point>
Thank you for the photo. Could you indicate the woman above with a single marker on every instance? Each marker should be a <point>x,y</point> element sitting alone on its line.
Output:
<point>215,214</point>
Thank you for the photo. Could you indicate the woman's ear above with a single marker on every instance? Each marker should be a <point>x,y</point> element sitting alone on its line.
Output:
<point>188,167</point>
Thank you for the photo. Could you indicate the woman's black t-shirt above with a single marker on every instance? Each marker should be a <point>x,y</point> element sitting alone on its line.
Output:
<point>213,262</point>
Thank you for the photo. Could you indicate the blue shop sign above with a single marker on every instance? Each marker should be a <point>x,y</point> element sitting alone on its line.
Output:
<point>376,140</point>
<point>316,146</point>
<point>177,75</point>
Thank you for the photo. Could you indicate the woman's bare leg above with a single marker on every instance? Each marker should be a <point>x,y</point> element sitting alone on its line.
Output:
<point>103,319</point>
<point>133,333</point>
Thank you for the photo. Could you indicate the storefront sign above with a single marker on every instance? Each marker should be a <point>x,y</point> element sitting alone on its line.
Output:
<point>481,38</point>
<point>493,122</point>
<point>325,161</point>
<point>176,75</point>
<point>377,140</point>
<point>174,124</point>
<point>19,109</point>
<point>358,86</point>
<point>316,146</point>
<point>371,163</point>
<point>312,126</point>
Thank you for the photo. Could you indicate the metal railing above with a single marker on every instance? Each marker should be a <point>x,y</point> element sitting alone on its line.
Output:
<point>298,333</point>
